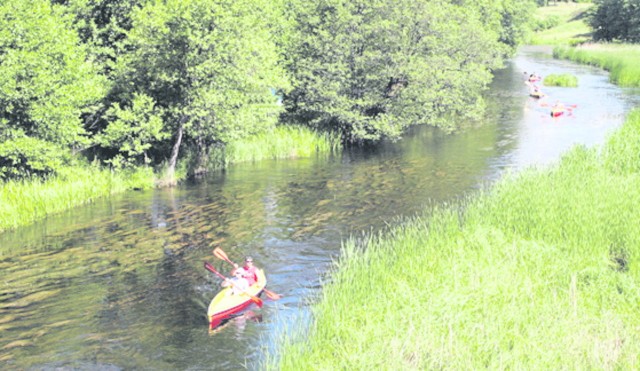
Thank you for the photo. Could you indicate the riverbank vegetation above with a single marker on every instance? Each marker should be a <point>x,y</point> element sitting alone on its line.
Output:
<point>564,80</point>
<point>603,33</point>
<point>621,60</point>
<point>169,85</point>
<point>538,272</point>
<point>23,201</point>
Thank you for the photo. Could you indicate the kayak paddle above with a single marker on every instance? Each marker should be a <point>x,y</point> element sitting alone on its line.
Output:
<point>254,298</point>
<point>222,255</point>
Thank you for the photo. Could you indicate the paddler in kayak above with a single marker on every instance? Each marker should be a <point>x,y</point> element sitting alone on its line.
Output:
<point>238,283</point>
<point>249,270</point>
<point>557,109</point>
<point>536,93</point>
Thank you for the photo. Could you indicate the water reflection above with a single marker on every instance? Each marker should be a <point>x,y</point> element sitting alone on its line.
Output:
<point>120,284</point>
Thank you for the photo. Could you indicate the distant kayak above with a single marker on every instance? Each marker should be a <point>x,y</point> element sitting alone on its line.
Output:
<point>226,305</point>
<point>537,94</point>
<point>556,113</point>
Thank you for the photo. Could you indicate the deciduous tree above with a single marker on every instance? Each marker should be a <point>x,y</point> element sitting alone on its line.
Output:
<point>47,81</point>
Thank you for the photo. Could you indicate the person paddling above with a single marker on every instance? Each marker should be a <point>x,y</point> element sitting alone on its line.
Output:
<point>238,283</point>
<point>249,270</point>
<point>557,109</point>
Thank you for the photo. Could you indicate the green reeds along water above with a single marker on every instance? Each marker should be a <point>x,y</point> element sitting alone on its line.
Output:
<point>23,202</point>
<point>280,143</point>
<point>564,80</point>
<point>542,271</point>
<point>621,60</point>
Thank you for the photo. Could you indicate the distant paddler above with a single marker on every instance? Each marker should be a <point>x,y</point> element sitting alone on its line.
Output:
<point>557,109</point>
<point>536,93</point>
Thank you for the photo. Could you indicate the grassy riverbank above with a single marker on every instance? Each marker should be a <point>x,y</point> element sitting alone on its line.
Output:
<point>23,202</point>
<point>539,272</point>
<point>565,26</point>
<point>621,60</point>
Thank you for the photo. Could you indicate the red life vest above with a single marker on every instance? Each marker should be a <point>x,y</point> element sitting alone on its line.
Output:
<point>250,274</point>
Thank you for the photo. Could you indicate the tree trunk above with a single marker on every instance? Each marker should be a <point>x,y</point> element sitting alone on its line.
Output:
<point>202,157</point>
<point>171,171</point>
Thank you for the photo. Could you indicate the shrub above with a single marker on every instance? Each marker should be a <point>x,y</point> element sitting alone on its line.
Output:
<point>25,157</point>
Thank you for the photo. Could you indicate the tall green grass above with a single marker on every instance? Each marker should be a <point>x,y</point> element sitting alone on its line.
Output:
<point>541,271</point>
<point>23,202</point>
<point>280,143</point>
<point>563,80</point>
<point>621,60</point>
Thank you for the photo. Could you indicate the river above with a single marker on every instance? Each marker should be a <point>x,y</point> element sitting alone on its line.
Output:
<point>120,284</point>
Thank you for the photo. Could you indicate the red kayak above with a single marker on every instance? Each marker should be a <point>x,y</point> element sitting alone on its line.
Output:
<point>226,305</point>
<point>556,113</point>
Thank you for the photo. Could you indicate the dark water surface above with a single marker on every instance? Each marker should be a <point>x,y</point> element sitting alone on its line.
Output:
<point>120,284</point>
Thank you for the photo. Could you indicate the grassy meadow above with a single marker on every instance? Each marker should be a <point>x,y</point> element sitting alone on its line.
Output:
<point>539,272</point>
<point>561,24</point>
<point>23,202</point>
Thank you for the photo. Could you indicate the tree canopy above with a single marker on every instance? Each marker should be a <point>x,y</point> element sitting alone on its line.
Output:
<point>372,68</point>
<point>48,84</point>
<point>616,20</point>
<point>151,81</point>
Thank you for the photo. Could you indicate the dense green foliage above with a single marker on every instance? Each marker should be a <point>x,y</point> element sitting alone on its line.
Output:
<point>48,85</point>
<point>369,69</point>
<point>616,20</point>
<point>205,68</point>
<point>539,272</point>
<point>170,84</point>
<point>133,82</point>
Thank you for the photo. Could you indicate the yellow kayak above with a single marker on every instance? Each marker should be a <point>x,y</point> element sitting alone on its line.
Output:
<point>226,304</point>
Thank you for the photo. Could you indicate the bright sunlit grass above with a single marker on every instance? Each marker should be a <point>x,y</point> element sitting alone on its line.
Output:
<point>23,202</point>
<point>621,60</point>
<point>572,27</point>
<point>283,142</point>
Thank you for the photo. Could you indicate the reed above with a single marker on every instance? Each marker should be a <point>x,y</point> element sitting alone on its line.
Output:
<point>280,143</point>
<point>23,202</point>
<point>563,80</point>
<point>621,60</point>
<point>540,271</point>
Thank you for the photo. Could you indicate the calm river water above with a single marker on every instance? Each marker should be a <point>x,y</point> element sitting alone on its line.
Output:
<point>120,284</point>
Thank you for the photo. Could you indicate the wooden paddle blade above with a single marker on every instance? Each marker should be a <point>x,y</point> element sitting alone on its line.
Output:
<point>218,253</point>
<point>272,295</point>
<point>257,300</point>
